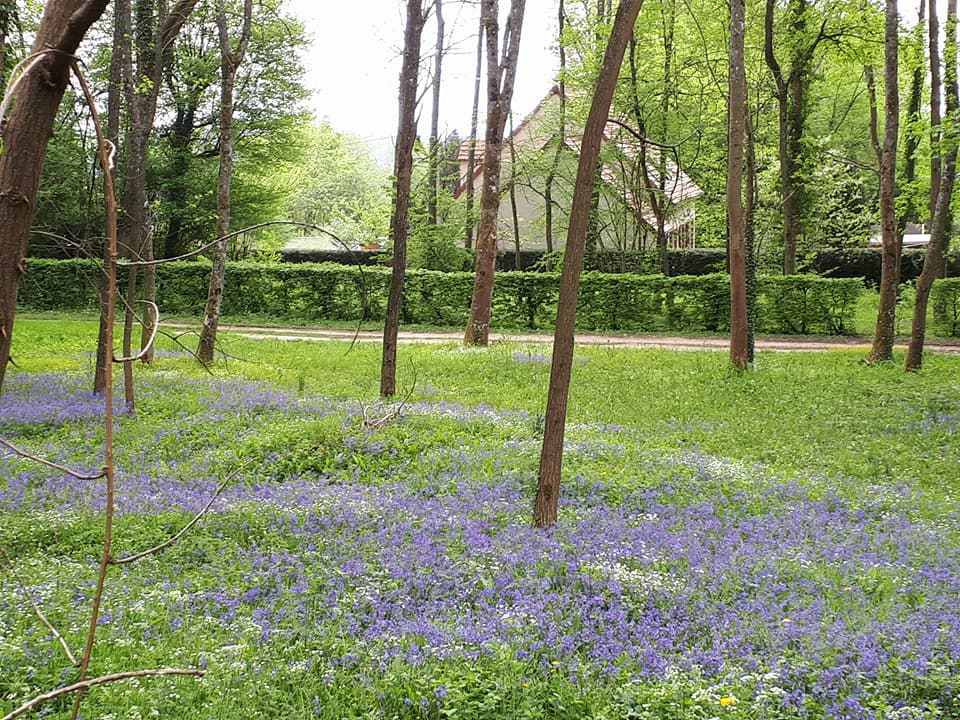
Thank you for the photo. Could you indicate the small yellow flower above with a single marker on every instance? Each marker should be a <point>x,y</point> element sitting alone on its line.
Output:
<point>728,701</point>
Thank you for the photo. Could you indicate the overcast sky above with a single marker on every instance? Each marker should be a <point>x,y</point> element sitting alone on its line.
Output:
<point>354,64</point>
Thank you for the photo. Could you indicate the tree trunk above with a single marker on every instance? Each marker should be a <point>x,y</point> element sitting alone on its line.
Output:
<point>940,233</point>
<point>434,171</point>
<point>750,238</point>
<point>8,16</point>
<point>230,60</point>
<point>669,24</point>
<point>118,61</point>
<point>561,133</point>
<point>551,455</point>
<point>935,119</point>
<point>25,137</point>
<point>890,266</point>
<point>153,39</point>
<point>513,199</point>
<point>403,173</point>
<point>912,137</point>
<point>737,106</point>
<point>472,152</point>
<point>501,76</point>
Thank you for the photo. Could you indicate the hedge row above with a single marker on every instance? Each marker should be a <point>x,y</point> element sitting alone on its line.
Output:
<point>946,306</point>
<point>800,304</point>
<point>865,263</point>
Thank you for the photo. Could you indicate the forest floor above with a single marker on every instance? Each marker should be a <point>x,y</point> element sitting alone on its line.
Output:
<point>778,544</point>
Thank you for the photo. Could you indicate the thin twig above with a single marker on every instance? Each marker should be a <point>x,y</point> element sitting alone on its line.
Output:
<point>189,526</point>
<point>37,610</point>
<point>85,685</point>
<point>62,468</point>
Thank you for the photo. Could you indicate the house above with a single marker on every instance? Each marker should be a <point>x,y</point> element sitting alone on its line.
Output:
<point>626,216</point>
<point>915,237</point>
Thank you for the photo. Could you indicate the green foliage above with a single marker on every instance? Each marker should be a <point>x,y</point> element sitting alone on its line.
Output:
<point>625,303</point>
<point>946,305</point>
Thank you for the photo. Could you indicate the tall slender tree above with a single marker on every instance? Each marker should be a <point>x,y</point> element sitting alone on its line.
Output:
<point>472,142</point>
<point>561,138</point>
<point>153,35</point>
<point>231,56</point>
<point>501,76</point>
<point>403,174</point>
<point>434,158</point>
<point>933,38</point>
<point>940,232</point>
<point>551,454</point>
<point>118,61</point>
<point>890,264</point>
<point>25,137</point>
<point>737,123</point>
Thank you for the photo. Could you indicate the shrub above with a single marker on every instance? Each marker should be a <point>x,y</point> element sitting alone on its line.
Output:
<point>865,263</point>
<point>946,306</point>
<point>627,303</point>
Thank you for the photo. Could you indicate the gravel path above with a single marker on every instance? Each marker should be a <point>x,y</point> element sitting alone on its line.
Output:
<point>775,344</point>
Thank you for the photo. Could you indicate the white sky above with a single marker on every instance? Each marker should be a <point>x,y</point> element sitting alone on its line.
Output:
<point>354,64</point>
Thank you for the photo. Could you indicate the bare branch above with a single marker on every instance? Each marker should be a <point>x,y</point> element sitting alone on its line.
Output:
<point>37,611</point>
<point>186,528</point>
<point>85,685</point>
<point>62,468</point>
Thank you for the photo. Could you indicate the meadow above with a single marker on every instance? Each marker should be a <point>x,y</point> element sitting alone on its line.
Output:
<point>779,544</point>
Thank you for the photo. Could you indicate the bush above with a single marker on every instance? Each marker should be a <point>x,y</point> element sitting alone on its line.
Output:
<point>946,306</point>
<point>627,303</point>
<point>865,263</point>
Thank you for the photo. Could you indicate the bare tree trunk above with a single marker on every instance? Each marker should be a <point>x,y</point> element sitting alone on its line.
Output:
<point>8,16</point>
<point>551,455</point>
<point>119,59</point>
<point>562,132</point>
<point>750,237</point>
<point>403,173</point>
<point>669,24</point>
<point>935,119</point>
<point>737,107</point>
<point>912,137</point>
<point>513,199</point>
<point>153,39</point>
<point>890,266</point>
<point>940,233</point>
<point>230,60</point>
<point>501,75</point>
<point>25,137</point>
<point>434,171</point>
<point>472,152</point>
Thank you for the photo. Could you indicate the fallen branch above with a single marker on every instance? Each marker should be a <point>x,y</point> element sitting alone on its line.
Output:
<point>85,685</point>
<point>37,610</point>
<point>62,468</point>
<point>186,528</point>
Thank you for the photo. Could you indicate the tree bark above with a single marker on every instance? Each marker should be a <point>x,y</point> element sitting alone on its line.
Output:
<point>551,455</point>
<point>513,199</point>
<point>912,136</point>
<point>118,61</point>
<point>25,136</point>
<point>935,119</point>
<point>737,106</point>
<point>403,173</point>
<point>890,265</point>
<point>230,60</point>
<point>434,170</point>
<point>669,24</point>
<point>750,237</point>
<point>501,75</point>
<point>940,233</point>
<point>472,151</point>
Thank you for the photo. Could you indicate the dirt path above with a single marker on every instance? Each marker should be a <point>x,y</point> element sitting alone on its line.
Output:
<point>774,344</point>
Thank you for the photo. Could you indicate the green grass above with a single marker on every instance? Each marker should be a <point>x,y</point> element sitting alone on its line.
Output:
<point>825,421</point>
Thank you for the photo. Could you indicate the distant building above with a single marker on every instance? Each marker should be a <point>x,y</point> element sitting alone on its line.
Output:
<point>914,237</point>
<point>627,219</point>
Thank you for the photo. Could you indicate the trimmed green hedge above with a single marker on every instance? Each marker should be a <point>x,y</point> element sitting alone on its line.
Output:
<point>630,303</point>
<point>946,306</point>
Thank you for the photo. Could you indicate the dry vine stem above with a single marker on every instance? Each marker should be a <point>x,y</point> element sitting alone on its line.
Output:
<point>105,154</point>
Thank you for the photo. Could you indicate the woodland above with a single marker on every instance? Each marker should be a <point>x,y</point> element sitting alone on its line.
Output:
<point>232,485</point>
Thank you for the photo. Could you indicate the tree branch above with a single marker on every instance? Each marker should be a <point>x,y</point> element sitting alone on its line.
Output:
<point>62,468</point>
